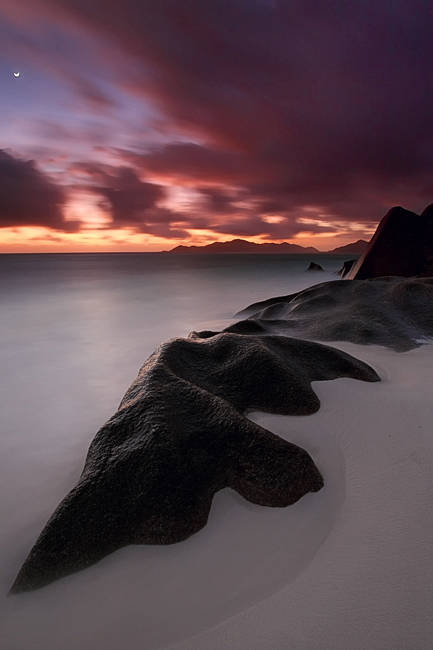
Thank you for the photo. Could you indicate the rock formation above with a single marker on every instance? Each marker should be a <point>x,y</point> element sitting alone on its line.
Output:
<point>402,245</point>
<point>427,247</point>
<point>178,437</point>
<point>390,311</point>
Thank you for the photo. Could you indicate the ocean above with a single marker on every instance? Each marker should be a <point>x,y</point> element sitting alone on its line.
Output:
<point>75,328</point>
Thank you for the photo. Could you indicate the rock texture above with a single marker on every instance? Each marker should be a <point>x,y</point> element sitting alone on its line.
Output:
<point>390,311</point>
<point>179,436</point>
<point>313,266</point>
<point>402,245</point>
<point>427,247</point>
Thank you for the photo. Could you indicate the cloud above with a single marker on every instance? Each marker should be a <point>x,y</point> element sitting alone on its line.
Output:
<point>28,197</point>
<point>189,162</point>
<point>291,104</point>
<point>131,202</point>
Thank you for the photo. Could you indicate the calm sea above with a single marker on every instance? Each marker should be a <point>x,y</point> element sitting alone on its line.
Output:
<point>75,328</point>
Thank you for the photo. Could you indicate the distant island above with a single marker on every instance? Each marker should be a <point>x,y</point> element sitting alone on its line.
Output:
<point>244,246</point>
<point>356,247</point>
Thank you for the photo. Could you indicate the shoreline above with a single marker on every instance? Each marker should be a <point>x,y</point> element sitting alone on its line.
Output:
<point>312,568</point>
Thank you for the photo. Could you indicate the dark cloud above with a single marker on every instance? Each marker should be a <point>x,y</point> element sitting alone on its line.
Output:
<point>128,197</point>
<point>195,163</point>
<point>218,201</point>
<point>131,202</point>
<point>28,197</point>
<point>295,104</point>
<point>134,203</point>
<point>254,225</point>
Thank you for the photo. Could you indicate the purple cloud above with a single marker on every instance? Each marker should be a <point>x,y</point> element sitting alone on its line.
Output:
<point>28,197</point>
<point>293,105</point>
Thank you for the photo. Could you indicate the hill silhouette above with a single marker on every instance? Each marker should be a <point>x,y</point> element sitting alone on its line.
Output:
<point>356,247</point>
<point>245,246</point>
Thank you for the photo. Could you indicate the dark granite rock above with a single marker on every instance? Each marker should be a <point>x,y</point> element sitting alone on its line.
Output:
<point>427,246</point>
<point>178,437</point>
<point>402,245</point>
<point>391,311</point>
<point>314,267</point>
<point>346,268</point>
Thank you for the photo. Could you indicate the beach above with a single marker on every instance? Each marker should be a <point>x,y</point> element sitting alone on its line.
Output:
<point>216,290</point>
<point>347,566</point>
<point>369,583</point>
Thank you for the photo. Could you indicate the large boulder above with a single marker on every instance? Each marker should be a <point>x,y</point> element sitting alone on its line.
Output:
<point>179,436</point>
<point>390,311</point>
<point>402,245</point>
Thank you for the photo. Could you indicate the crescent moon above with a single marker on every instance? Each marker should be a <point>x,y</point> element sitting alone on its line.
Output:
<point>17,74</point>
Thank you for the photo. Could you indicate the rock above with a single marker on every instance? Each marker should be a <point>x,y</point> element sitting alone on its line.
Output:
<point>346,268</point>
<point>392,311</point>
<point>402,245</point>
<point>178,437</point>
<point>314,267</point>
<point>427,248</point>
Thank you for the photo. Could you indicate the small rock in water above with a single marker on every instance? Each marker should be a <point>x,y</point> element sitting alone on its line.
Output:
<point>315,267</point>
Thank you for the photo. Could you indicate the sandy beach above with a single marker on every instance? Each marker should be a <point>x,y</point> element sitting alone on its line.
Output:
<point>348,567</point>
<point>369,583</point>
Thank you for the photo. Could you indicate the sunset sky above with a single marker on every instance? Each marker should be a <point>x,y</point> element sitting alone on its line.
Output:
<point>140,125</point>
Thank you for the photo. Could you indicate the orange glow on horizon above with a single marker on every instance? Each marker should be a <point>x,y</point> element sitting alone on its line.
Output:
<point>28,239</point>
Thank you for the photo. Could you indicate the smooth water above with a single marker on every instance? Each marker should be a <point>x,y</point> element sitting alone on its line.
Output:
<point>75,329</point>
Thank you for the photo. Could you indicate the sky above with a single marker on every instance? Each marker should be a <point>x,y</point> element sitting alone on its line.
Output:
<point>143,124</point>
